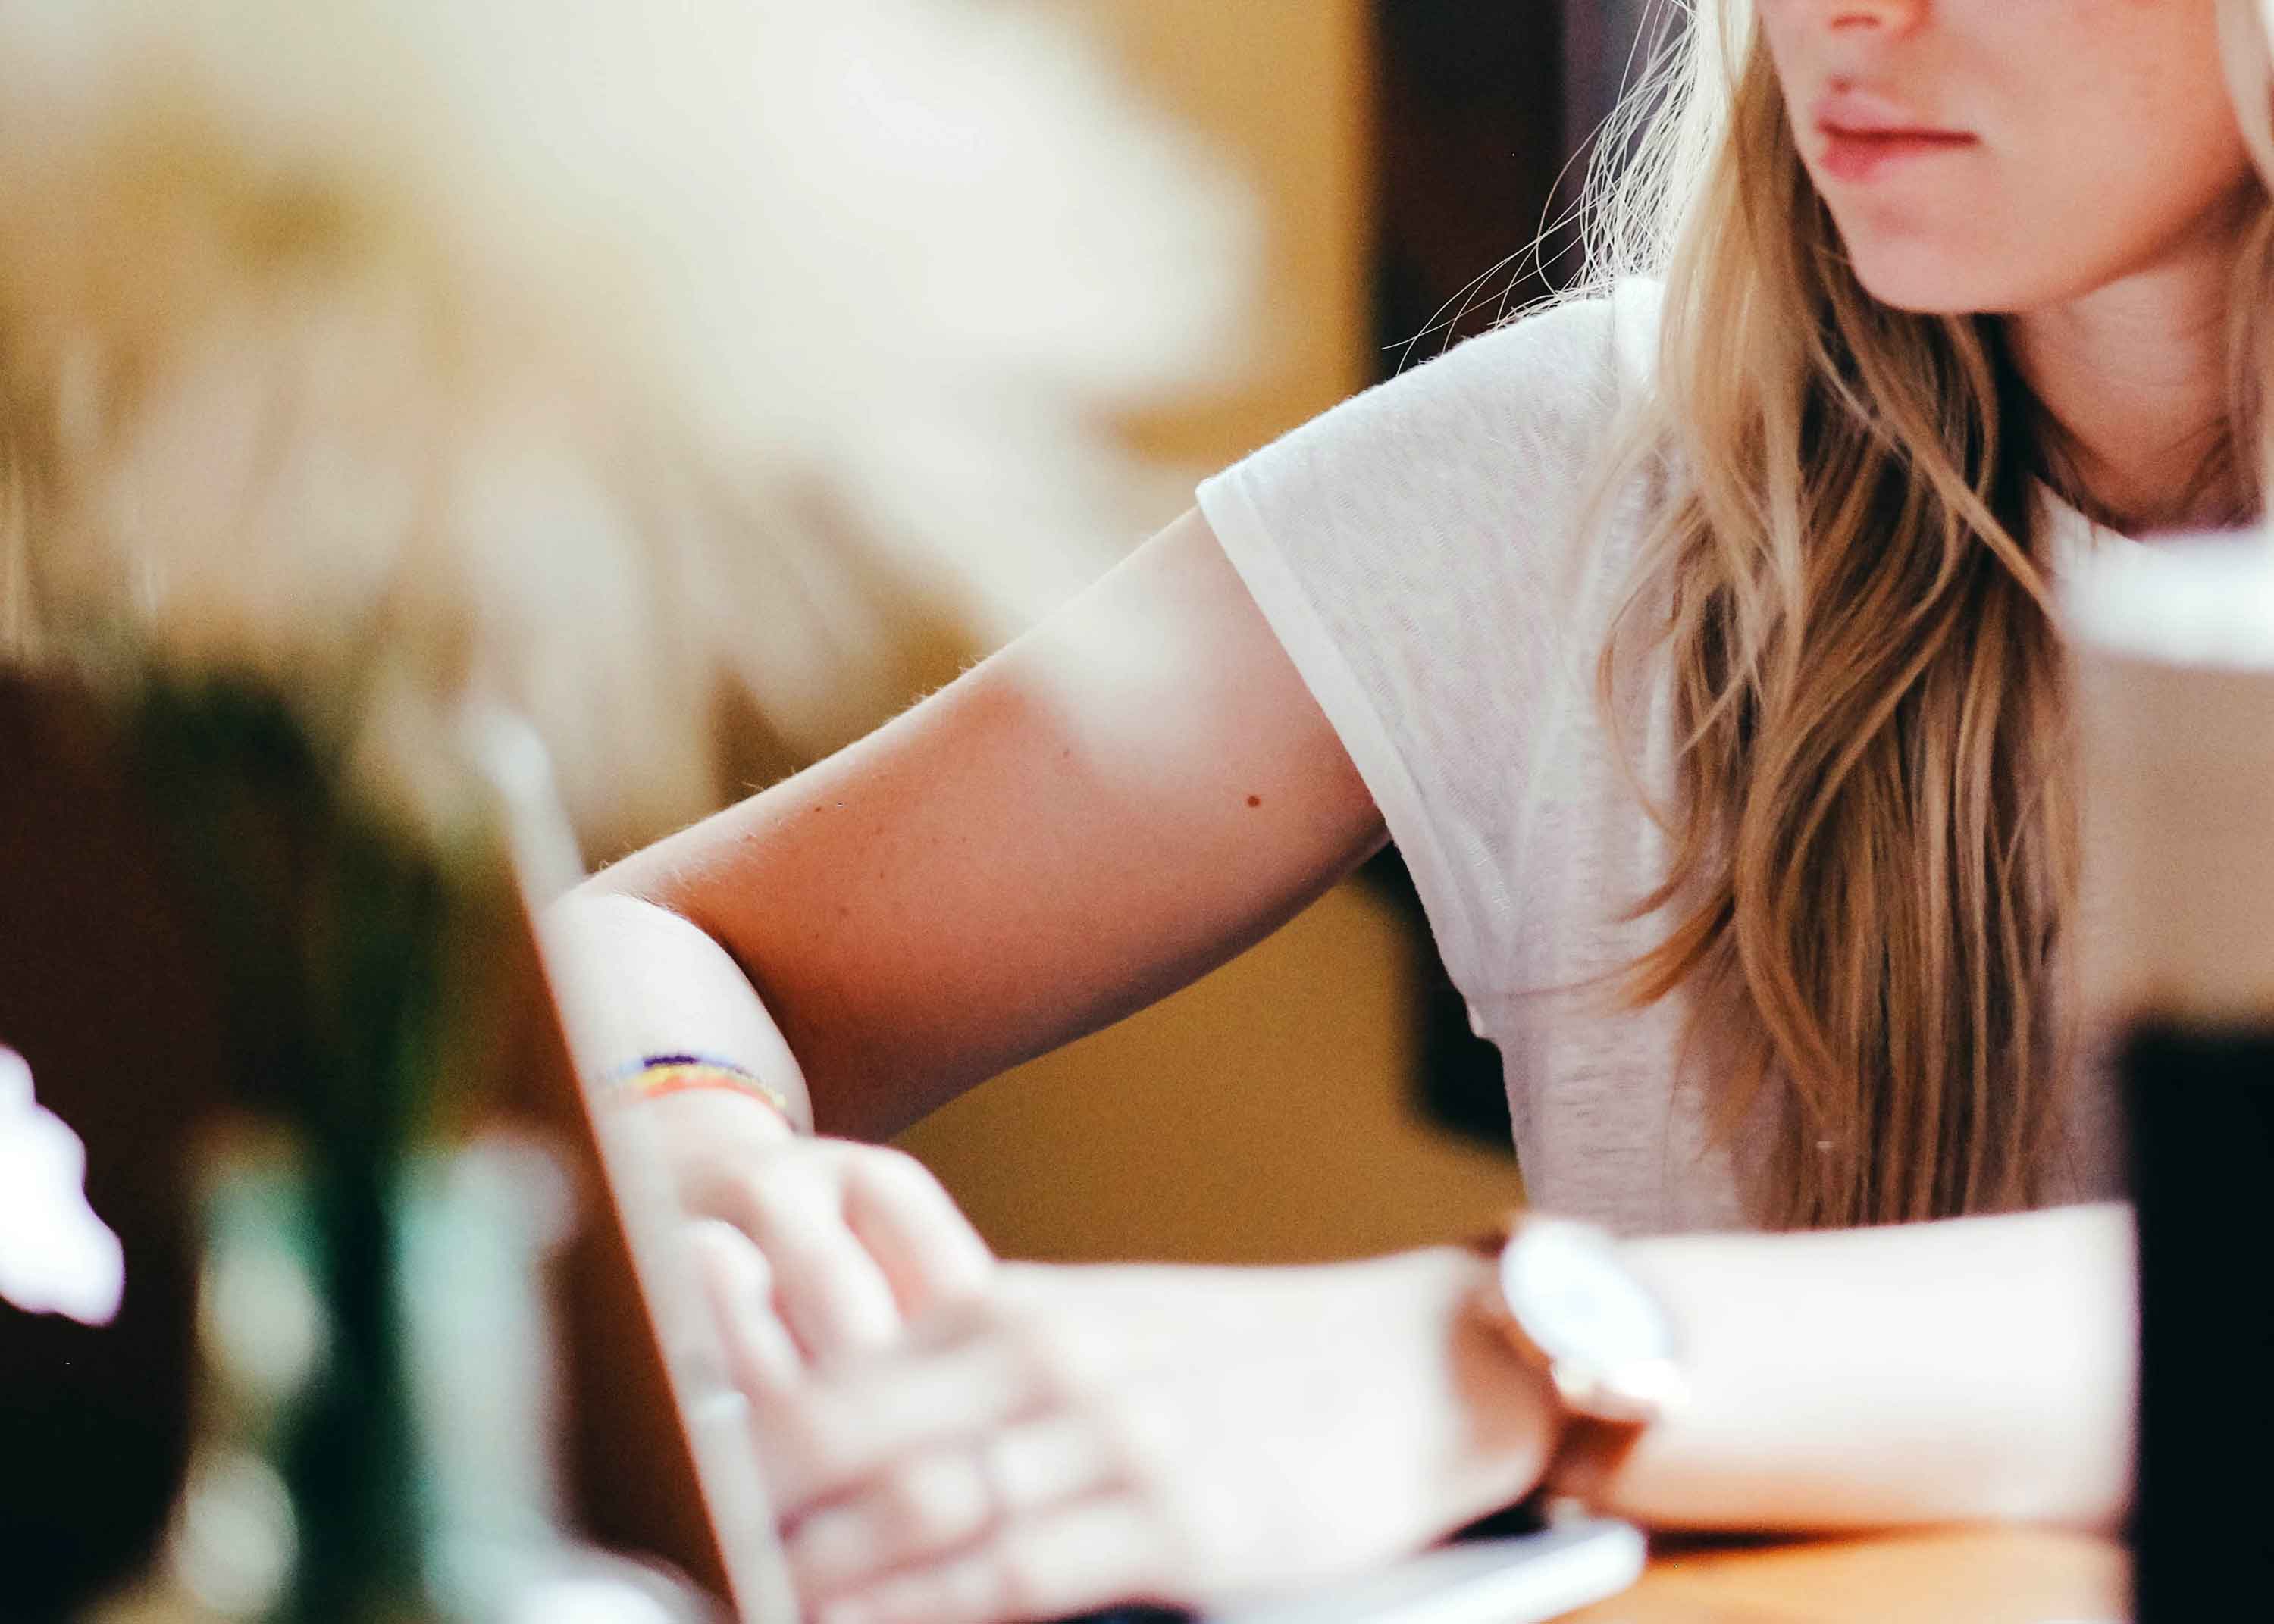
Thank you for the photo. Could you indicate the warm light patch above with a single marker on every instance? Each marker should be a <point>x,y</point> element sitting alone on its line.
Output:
<point>55,1256</point>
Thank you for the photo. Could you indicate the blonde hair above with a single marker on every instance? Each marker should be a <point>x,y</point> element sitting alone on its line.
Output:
<point>1873,843</point>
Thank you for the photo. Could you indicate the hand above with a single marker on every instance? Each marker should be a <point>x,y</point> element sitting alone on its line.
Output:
<point>850,1241</point>
<point>1079,1437</point>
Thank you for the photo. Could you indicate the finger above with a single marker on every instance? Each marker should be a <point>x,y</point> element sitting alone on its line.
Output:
<point>1086,1555</point>
<point>935,1503</point>
<point>829,1292</point>
<point>920,1238</point>
<point>849,1422</point>
<point>761,1358</point>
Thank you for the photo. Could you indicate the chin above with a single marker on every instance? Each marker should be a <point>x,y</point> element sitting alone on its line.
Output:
<point>1933,283</point>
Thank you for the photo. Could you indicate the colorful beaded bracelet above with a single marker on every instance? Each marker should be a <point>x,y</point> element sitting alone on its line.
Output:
<point>659,1075</point>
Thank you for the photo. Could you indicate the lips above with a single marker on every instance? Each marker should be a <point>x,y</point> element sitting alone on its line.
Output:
<point>1866,133</point>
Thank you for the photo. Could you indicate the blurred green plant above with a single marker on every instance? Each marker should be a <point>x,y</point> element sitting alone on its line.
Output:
<point>335,936</point>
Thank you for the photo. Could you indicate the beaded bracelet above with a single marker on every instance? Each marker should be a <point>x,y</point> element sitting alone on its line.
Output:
<point>659,1075</point>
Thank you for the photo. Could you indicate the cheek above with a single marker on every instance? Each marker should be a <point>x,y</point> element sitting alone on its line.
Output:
<point>2130,170</point>
<point>2149,113</point>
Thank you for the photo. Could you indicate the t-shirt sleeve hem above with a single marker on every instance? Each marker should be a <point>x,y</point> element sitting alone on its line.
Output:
<point>1277,591</point>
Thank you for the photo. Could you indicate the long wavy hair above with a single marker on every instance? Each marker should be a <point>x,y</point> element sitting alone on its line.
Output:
<point>1874,848</point>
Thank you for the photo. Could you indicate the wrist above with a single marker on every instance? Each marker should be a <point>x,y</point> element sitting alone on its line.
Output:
<point>1512,1422</point>
<point>668,1076</point>
<point>1567,1301</point>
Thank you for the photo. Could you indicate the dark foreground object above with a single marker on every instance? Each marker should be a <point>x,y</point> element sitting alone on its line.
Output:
<point>2201,1106</point>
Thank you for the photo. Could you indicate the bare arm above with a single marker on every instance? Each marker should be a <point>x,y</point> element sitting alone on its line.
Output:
<point>1123,798</point>
<point>1979,1369</point>
<point>1976,1370</point>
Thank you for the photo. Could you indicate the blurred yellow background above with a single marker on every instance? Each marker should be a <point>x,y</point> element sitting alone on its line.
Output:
<point>1267,1113</point>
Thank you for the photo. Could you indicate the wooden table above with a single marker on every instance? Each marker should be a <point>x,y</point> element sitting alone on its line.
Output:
<point>1964,1578</point>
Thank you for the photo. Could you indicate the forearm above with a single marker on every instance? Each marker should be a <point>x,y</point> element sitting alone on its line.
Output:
<point>1982,1369</point>
<point>1133,790</point>
<point>636,980</point>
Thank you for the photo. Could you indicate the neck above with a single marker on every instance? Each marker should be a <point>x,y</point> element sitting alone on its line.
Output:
<point>2134,377</point>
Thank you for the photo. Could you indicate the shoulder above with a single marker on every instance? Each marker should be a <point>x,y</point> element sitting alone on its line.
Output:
<point>1535,396</point>
<point>1575,360</point>
<point>1574,354</point>
<point>1503,430</point>
<point>1416,551</point>
<point>1606,338</point>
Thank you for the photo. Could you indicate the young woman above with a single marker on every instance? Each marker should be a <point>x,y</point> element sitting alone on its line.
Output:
<point>1692,641</point>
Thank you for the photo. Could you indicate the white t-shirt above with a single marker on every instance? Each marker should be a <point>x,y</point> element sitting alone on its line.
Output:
<point>1422,553</point>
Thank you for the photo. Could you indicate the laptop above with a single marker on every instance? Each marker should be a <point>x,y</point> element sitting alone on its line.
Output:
<point>110,991</point>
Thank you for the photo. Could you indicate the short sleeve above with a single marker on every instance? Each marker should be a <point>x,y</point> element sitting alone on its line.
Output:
<point>1413,549</point>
